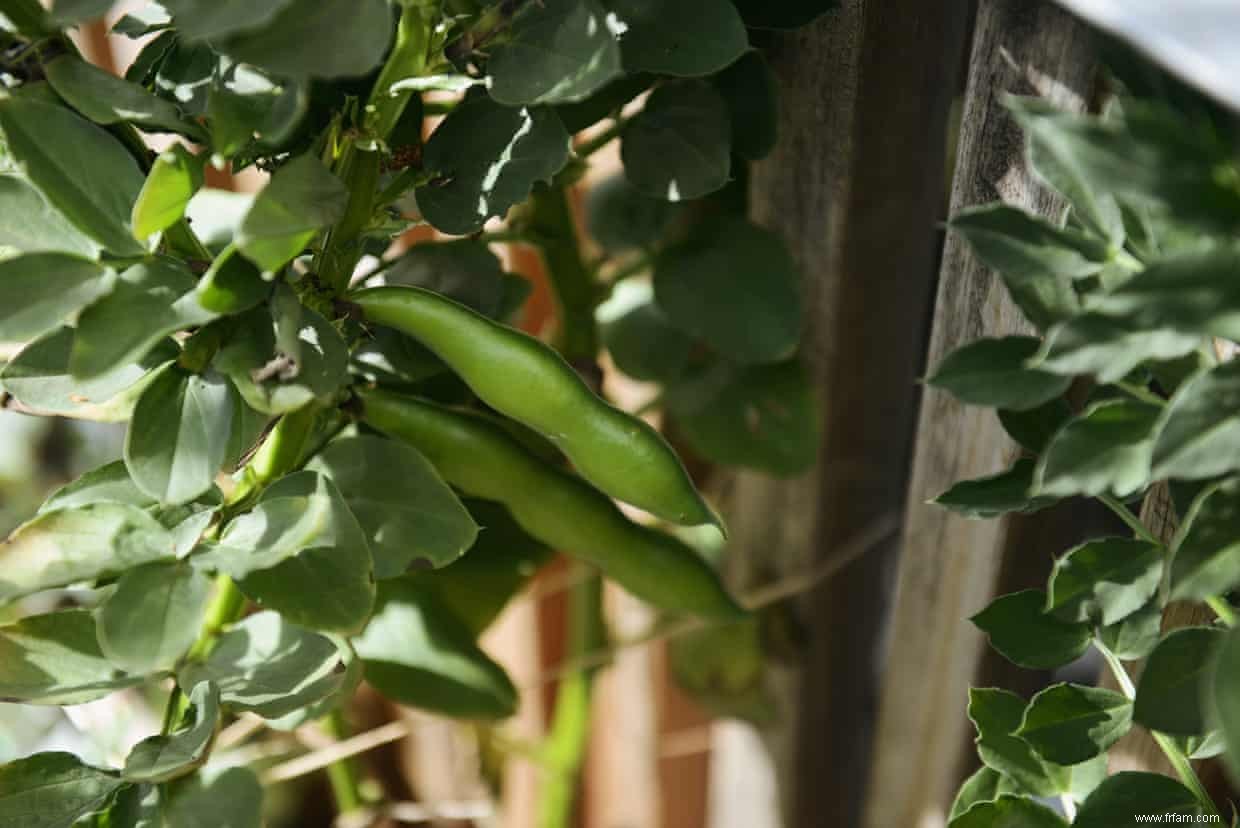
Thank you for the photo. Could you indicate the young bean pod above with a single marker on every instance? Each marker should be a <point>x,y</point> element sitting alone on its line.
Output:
<point>522,378</point>
<point>554,506</point>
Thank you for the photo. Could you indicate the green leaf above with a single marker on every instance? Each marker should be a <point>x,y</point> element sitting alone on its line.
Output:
<point>1190,293</point>
<point>782,14</point>
<point>464,270</point>
<point>619,217</point>
<point>147,302</point>
<point>175,176</point>
<point>1027,246</point>
<point>1009,812</point>
<point>55,659</point>
<point>1224,691</point>
<point>736,286</point>
<point>417,653</point>
<point>1127,795</point>
<point>52,790</point>
<point>1134,636</point>
<point>39,378</point>
<point>1200,434</point>
<point>178,437</point>
<point>268,666</point>
<point>408,513</point>
<point>640,339</point>
<point>485,158</point>
<point>1000,494</point>
<point>1069,723</point>
<point>30,224</point>
<point>162,758</point>
<point>277,374</point>
<point>1023,632</point>
<point>217,798</point>
<point>78,167</point>
<point>301,198</point>
<point>63,547</point>
<point>997,714</point>
<point>685,38</point>
<point>560,51</point>
<point>106,99</point>
<point>250,110</point>
<point>763,417</point>
<point>1106,449</point>
<point>1033,429</point>
<point>301,552</point>
<point>203,19</point>
<point>993,372</point>
<point>1171,692</point>
<point>1108,348</point>
<point>679,146</point>
<point>110,483</point>
<point>477,586</point>
<point>39,291</point>
<point>1105,580</point>
<point>1207,557</point>
<point>751,91</point>
<point>153,617</point>
<point>232,284</point>
<point>981,786</point>
<point>317,38</point>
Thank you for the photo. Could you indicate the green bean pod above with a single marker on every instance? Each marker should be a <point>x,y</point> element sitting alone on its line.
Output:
<point>552,505</point>
<point>524,379</point>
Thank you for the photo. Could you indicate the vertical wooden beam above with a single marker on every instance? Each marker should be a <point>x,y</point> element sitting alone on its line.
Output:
<point>948,565</point>
<point>856,188</point>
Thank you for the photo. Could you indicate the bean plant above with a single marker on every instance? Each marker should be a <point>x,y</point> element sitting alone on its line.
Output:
<point>1125,393</point>
<point>342,457</point>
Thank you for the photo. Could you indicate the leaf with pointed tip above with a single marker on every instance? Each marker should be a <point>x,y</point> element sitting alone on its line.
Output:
<point>63,547</point>
<point>684,38</point>
<point>417,653</point>
<point>484,158</point>
<point>77,166</point>
<point>1008,811</point>
<point>175,176</point>
<point>679,146</point>
<point>110,483</point>
<point>178,436</point>
<point>1200,435</point>
<point>1069,723</point>
<point>1000,494</point>
<point>559,51</point>
<point>993,372</point>
<point>1107,347</point>
<point>1104,580</point>
<point>1023,632</point>
<point>40,291</point>
<point>1027,246</point>
<point>55,659</point>
<point>997,714</point>
<point>53,790</point>
<point>981,786</point>
<point>1128,795</point>
<point>153,617</point>
<point>1171,695</point>
<point>301,198</point>
<point>268,666</point>
<point>39,378</point>
<point>1104,450</point>
<point>166,757</point>
<point>107,99</point>
<point>232,284</point>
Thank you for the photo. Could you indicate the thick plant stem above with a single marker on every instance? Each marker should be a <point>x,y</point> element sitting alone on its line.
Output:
<point>342,774</point>
<point>406,60</point>
<point>565,747</point>
<point>551,222</point>
<point>1183,767</point>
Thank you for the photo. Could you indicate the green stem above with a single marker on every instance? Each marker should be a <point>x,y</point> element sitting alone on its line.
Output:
<point>343,775</point>
<point>1125,514</point>
<point>360,172</point>
<point>1183,767</point>
<point>551,222</point>
<point>565,747</point>
<point>1141,393</point>
<point>1223,609</point>
<point>406,60</point>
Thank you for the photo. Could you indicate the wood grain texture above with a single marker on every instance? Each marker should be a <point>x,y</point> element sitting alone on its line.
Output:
<point>948,565</point>
<point>855,186</point>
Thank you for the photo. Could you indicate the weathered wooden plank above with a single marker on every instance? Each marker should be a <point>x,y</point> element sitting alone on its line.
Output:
<point>948,566</point>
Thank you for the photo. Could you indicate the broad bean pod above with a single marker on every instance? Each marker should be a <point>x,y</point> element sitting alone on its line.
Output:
<point>522,378</point>
<point>551,504</point>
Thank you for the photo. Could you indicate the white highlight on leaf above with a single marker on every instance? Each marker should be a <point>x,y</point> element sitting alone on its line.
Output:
<point>495,170</point>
